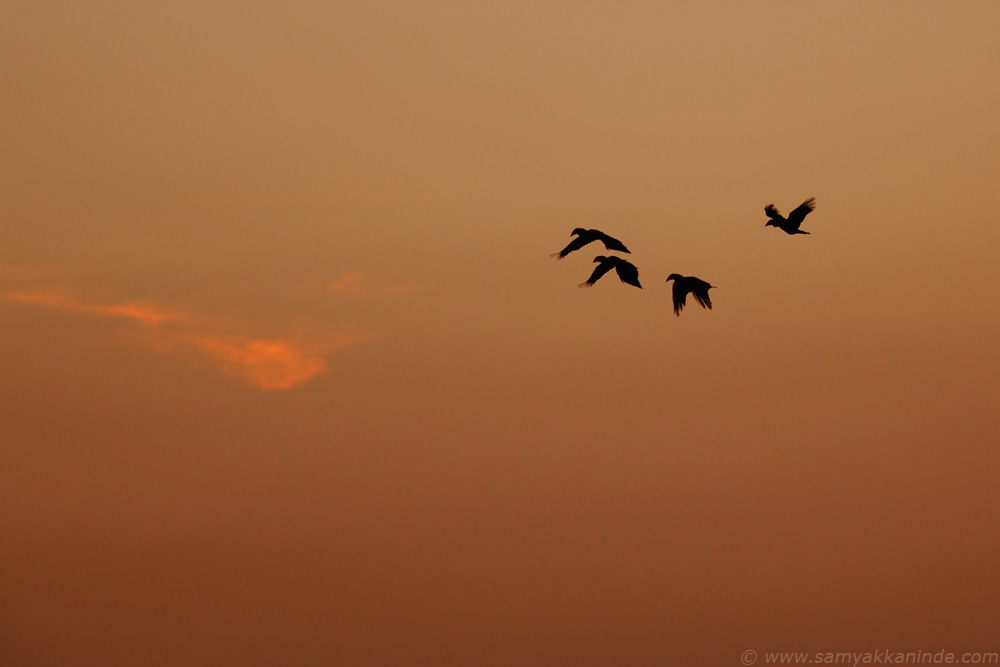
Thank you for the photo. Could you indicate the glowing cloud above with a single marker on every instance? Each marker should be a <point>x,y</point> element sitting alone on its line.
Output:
<point>146,314</point>
<point>267,363</point>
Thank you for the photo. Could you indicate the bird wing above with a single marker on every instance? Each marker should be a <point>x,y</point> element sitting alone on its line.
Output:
<point>627,272</point>
<point>680,296</point>
<point>599,271</point>
<point>799,214</point>
<point>612,243</point>
<point>700,290</point>
<point>772,213</point>
<point>575,244</point>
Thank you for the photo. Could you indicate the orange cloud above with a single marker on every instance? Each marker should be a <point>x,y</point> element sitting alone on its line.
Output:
<point>269,364</point>
<point>149,315</point>
<point>273,364</point>
<point>146,314</point>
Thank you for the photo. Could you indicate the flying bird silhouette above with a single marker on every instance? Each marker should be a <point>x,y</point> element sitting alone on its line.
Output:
<point>689,284</point>
<point>795,218</point>
<point>627,272</point>
<point>585,236</point>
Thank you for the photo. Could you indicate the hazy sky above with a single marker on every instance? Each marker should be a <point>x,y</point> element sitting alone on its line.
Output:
<point>289,377</point>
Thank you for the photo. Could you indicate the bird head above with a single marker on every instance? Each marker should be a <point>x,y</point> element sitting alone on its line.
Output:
<point>674,276</point>
<point>600,258</point>
<point>578,231</point>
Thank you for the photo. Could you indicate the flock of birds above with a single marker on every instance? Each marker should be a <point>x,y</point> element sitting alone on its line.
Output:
<point>683,285</point>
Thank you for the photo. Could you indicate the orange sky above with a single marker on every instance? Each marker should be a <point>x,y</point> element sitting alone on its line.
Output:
<point>290,378</point>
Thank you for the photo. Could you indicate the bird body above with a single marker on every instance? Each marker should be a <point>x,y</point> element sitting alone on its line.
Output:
<point>683,285</point>
<point>627,272</point>
<point>585,236</point>
<point>795,218</point>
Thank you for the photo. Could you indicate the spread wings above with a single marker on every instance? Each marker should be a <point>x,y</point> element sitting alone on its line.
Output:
<point>586,236</point>
<point>610,242</point>
<point>699,289</point>
<point>696,286</point>
<point>680,297</point>
<point>772,213</point>
<point>627,273</point>
<point>575,244</point>
<point>799,214</point>
<point>599,271</point>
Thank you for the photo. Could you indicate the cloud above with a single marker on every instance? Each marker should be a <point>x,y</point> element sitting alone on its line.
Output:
<point>268,364</point>
<point>148,315</point>
<point>278,363</point>
<point>145,313</point>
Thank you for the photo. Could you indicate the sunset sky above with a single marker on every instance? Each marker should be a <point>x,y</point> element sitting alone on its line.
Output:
<point>289,377</point>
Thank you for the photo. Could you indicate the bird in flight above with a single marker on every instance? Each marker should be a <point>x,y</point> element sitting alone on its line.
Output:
<point>585,236</point>
<point>627,272</point>
<point>689,284</point>
<point>795,218</point>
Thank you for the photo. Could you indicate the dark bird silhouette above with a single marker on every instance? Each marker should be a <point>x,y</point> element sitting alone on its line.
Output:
<point>627,272</point>
<point>795,218</point>
<point>689,284</point>
<point>585,236</point>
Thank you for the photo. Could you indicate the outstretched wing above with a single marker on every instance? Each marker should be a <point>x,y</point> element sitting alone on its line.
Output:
<point>799,214</point>
<point>700,290</point>
<point>575,244</point>
<point>627,272</point>
<point>612,243</point>
<point>601,269</point>
<point>772,213</point>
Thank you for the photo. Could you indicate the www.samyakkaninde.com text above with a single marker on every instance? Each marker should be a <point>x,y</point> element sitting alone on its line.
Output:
<point>880,657</point>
